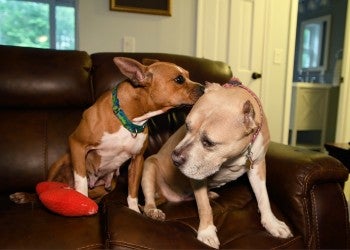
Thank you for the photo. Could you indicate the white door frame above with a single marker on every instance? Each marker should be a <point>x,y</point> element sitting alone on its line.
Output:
<point>343,119</point>
<point>290,69</point>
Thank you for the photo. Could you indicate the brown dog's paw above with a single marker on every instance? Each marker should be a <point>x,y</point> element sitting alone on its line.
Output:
<point>155,214</point>
<point>22,197</point>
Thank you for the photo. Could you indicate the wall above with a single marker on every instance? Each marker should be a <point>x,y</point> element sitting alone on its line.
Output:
<point>102,30</point>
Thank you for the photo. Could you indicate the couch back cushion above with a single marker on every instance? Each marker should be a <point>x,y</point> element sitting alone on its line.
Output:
<point>106,75</point>
<point>31,77</point>
<point>42,95</point>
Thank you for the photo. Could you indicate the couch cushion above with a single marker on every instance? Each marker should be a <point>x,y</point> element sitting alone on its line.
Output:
<point>236,217</point>
<point>34,77</point>
<point>32,226</point>
<point>31,140</point>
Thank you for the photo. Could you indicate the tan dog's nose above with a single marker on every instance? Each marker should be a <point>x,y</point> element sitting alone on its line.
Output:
<point>178,158</point>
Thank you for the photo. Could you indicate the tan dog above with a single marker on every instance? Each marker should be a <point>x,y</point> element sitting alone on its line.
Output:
<point>225,136</point>
<point>114,130</point>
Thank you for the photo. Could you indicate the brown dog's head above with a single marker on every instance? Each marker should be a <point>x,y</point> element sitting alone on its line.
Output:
<point>220,127</point>
<point>167,85</point>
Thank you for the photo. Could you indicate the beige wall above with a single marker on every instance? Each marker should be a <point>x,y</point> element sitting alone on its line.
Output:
<point>102,30</point>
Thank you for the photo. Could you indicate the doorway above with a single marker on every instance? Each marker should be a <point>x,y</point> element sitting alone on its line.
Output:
<point>317,72</point>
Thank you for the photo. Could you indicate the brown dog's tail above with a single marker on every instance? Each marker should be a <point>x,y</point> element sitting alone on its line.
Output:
<point>62,171</point>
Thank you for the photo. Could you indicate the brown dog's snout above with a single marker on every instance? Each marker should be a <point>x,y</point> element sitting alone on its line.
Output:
<point>201,90</point>
<point>178,158</point>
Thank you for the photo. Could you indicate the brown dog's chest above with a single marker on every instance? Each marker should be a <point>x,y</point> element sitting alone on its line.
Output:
<point>113,150</point>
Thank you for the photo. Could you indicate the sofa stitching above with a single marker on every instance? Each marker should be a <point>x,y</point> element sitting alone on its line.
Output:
<point>128,244</point>
<point>307,223</point>
<point>346,214</point>
<point>315,172</point>
<point>314,207</point>
<point>288,243</point>
<point>45,146</point>
<point>92,245</point>
<point>307,178</point>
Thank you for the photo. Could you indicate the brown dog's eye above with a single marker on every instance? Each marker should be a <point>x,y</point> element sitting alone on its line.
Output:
<point>179,79</point>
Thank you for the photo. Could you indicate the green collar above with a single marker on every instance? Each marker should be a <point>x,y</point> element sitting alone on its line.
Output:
<point>119,113</point>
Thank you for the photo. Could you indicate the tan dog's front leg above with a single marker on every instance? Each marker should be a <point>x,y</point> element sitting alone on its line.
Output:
<point>78,154</point>
<point>134,180</point>
<point>257,179</point>
<point>207,230</point>
<point>149,189</point>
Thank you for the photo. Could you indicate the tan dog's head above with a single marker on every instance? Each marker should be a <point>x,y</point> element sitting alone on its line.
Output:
<point>167,84</point>
<point>220,126</point>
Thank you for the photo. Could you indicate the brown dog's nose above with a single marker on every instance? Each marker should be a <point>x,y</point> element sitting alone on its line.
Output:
<point>178,158</point>
<point>200,90</point>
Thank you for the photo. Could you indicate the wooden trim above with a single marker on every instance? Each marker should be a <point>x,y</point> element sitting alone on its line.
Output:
<point>155,7</point>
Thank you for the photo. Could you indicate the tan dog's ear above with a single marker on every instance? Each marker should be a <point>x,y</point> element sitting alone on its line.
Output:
<point>209,86</point>
<point>148,61</point>
<point>132,69</point>
<point>249,115</point>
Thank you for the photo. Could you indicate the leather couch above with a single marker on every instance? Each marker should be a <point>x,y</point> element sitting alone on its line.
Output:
<point>42,96</point>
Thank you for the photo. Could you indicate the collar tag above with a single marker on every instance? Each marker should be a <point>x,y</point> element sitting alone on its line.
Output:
<point>249,158</point>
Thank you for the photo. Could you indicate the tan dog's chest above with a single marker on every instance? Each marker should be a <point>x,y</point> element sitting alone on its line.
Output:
<point>236,167</point>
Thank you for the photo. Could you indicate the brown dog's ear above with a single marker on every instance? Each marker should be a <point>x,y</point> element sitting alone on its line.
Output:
<point>249,116</point>
<point>132,69</point>
<point>148,61</point>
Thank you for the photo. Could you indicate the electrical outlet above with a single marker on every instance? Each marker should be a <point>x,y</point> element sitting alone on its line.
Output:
<point>128,44</point>
<point>277,56</point>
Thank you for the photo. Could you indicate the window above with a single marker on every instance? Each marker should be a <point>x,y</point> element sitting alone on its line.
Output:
<point>38,23</point>
<point>313,53</point>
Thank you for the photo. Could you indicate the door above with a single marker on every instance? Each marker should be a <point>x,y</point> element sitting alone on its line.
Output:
<point>246,42</point>
<point>233,31</point>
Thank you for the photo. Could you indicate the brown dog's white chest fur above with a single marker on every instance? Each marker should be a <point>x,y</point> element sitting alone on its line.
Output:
<point>113,150</point>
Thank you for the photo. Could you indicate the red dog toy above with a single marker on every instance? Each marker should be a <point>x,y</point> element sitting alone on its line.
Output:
<point>64,200</point>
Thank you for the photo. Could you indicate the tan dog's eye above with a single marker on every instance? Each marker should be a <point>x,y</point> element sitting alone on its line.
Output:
<point>206,142</point>
<point>179,79</point>
<point>188,127</point>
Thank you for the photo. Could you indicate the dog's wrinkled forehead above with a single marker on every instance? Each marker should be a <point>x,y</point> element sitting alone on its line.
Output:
<point>219,101</point>
<point>166,66</point>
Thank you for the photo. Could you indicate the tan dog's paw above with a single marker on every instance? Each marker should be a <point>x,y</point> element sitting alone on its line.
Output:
<point>22,197</point>
<point>212,195</point>
<point>208,236</point>
<point>277,228</point>
<point>155,214</point>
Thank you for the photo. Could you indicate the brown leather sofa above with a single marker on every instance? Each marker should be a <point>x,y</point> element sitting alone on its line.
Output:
<point>42,96</point>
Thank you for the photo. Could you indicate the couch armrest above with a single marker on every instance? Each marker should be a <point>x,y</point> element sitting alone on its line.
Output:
<point>307,187</point>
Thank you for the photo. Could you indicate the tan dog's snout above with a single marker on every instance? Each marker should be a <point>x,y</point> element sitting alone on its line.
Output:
<point>178,157</point>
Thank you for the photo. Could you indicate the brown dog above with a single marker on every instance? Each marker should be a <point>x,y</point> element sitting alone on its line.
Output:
<point>114,129</point>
